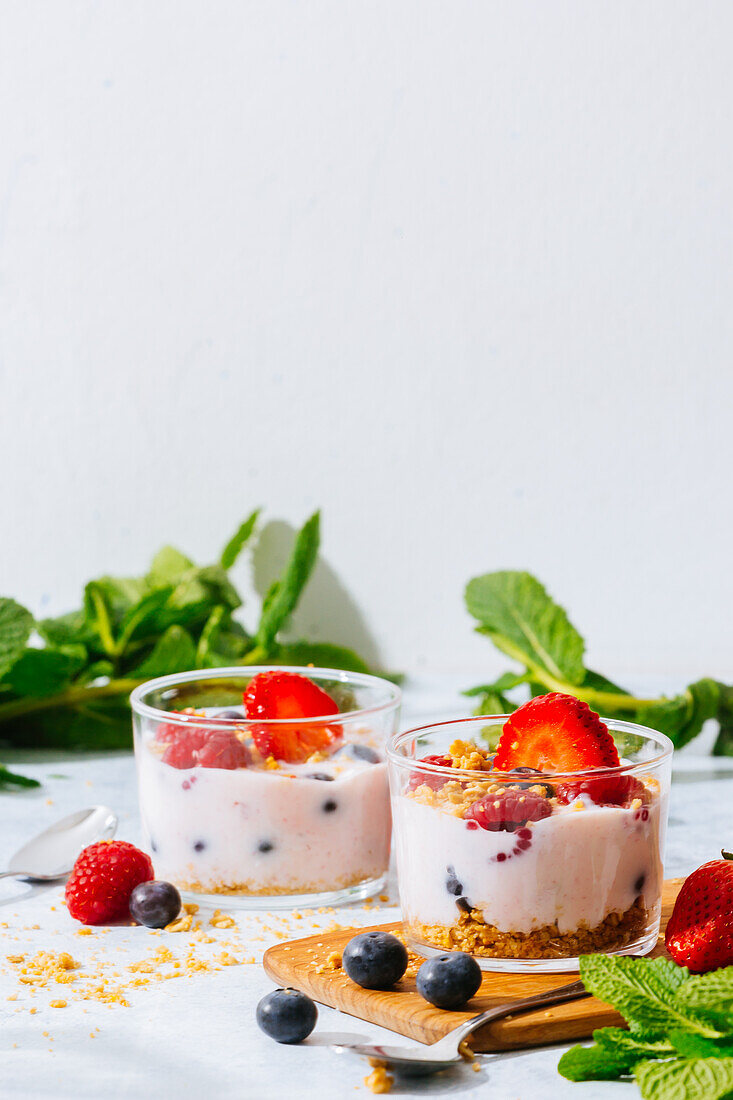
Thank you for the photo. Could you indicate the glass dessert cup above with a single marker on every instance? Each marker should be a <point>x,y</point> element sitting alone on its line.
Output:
<point>258,831</point>
<point>528,895</point>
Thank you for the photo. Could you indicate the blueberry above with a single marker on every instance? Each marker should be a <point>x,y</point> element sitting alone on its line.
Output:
<point>639,884</point>
<point>199,846</point>
<point>265,846</point>
<point>375,960</point>
<point>329,806</point>
<point>448,981</point>
<point>155,904</point>
<point>320,775</point>
<point>359,752</point>
<point>464,904</point>
<point>452,885</point>
<point>153,845</point>
<point>287,1015</point>
<point>236,715</point>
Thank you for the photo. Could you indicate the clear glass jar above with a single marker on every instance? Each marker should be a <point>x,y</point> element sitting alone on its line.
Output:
<point>228,820</point>
<point>578,876</point>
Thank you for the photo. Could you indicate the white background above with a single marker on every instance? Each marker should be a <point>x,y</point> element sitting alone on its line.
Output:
<point>459,273</point>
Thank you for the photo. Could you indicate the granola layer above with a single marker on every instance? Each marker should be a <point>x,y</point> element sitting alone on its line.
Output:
<point>472,934</point>
<point>275,889</point>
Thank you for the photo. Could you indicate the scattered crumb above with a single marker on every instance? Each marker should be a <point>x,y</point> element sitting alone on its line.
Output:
<point>378,1081</point>
<point>222,920</point>
<point>58,1004</point>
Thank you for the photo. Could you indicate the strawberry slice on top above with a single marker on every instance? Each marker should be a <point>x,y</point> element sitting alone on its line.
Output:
<point>281,696</point>
<point>556,733</point>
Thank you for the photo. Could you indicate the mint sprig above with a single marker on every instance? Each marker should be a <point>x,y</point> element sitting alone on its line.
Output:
<point>69,688</point>
<point>679,1045</point>
<point>523,621</point>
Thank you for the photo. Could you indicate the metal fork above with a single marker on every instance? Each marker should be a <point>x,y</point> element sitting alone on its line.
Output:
<point>419,1061</point>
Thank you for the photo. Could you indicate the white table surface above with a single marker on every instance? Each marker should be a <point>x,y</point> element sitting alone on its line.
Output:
<point>197,1036</point>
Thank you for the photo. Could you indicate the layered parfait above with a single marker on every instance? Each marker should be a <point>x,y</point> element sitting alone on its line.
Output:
<point>542,850</point>
<point>270,785</point>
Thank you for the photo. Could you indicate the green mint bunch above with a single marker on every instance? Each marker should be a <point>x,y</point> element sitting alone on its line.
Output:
<point>679,1042</point>
<point>65,682</point>
<point>524,622</point>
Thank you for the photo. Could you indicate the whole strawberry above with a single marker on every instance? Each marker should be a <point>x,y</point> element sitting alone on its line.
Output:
<point>700,931</point>
<point>103,877</point>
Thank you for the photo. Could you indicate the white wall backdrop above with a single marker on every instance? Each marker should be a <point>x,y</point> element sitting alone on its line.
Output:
<point>459,273</point>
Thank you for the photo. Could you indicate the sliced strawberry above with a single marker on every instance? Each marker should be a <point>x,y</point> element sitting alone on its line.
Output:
<point>555,733</point>
<point>508,810</point>
<point>222,749</point>
<point>607,790</point>
<point>429,779</point>
<point>284,695</point>
<point>699,933</point>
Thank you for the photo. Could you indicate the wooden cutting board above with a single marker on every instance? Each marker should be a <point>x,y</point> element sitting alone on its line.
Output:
<point>403,1009</point>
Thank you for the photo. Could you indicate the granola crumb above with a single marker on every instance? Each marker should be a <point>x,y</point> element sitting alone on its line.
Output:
<point>222,920</point>
<point>378,1081</point>
<point>58,1004</point>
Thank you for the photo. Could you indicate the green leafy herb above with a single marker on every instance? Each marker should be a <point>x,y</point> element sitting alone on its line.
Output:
<point>68,688</point>
<point>679,1045</point>
<point>515,611</point>
<point>9,780</point>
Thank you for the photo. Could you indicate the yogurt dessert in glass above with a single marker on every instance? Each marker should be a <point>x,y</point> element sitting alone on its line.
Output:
<point>532,855</point>
<point>268,785</point>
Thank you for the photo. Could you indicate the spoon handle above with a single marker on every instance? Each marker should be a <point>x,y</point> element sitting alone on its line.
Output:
<point>561,995</point>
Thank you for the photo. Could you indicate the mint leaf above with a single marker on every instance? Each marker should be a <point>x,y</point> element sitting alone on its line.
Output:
<point>710,995</point>
<point>8,780</point>
<point>614,1054</point>
<point>100,615</point>
<point>143,616</point>
<point>238,541</point>
<point>173,652</point>
<point>591,1064</point>
<point>69,629</point>
<point>321,655</point>
<point>42,672</point>
<point>524,622</point>
<point>683,716</point>
<point>695,1046</point>
<point>169,566</point>
<point>505,682</point>
<point>643,991</point>
<point>16,624</point>
<point>283,597</point>
<point>97,670</point>
<point>700,1079</point>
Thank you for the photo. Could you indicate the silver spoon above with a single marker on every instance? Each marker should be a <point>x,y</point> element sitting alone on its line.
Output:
<point>51,854</point>
<point>419,1061</point>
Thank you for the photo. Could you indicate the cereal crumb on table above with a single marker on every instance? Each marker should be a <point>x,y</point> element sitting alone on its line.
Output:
<point>222,920</point>
<point>378,1081</point>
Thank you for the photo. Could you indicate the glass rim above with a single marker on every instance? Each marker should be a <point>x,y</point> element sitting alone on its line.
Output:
<point>357,679</point>
<point>412,763</point>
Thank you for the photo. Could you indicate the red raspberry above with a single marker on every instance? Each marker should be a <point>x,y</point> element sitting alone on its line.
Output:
<point>508,810</point>
<point>183,748</point>
<point>222,749</point>
<point>171,731</point>
<point>429,779</point>
<point>104,875</point>
<point>606,790</point>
